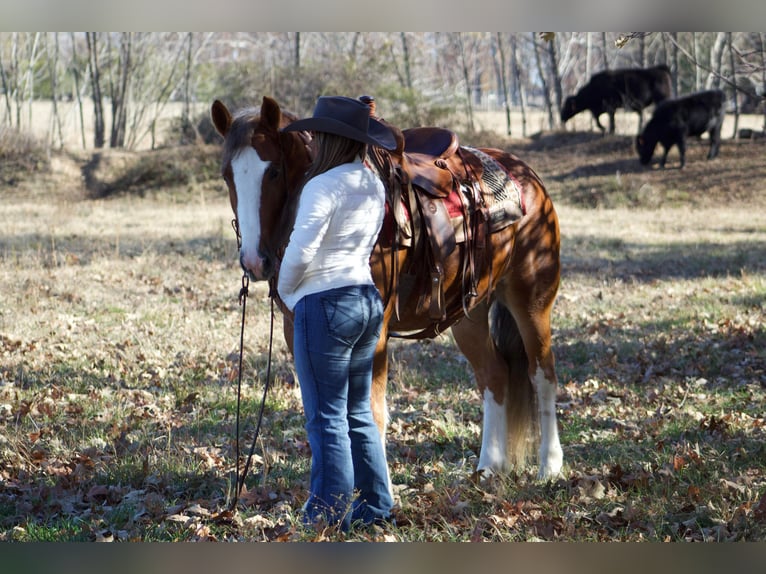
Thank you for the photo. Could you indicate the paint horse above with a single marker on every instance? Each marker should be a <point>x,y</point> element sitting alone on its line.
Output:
<point>470,243</point>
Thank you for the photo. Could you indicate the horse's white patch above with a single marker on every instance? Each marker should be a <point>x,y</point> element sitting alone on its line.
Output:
<point>551,457</point>
<point>248,169</point>
<point>494,435</point>
<point>386,420</point>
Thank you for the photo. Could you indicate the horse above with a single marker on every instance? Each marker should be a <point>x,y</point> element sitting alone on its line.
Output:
<point>493,284</point>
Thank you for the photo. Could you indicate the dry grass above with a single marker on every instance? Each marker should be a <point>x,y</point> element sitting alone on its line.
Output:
<point>118,360</point>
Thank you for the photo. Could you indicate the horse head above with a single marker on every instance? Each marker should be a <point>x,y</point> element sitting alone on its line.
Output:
<point>263,168</point>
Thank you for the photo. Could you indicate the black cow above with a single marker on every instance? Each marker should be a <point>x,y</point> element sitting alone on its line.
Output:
<point>631,88</point>
<point>674,120</point>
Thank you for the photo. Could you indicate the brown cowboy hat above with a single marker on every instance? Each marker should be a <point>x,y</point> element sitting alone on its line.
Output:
<point>346,117</point>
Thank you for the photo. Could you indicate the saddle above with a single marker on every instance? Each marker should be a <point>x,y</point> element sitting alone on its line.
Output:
<point>438,198</point>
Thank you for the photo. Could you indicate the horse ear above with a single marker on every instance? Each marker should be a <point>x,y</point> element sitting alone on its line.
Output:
<point>221,117</point>
<point>270,112</point>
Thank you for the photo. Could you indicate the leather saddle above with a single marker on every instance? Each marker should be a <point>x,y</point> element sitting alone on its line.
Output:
<point>426,170</point>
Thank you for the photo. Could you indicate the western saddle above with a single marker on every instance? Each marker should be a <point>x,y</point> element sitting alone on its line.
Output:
<point>438,199</point>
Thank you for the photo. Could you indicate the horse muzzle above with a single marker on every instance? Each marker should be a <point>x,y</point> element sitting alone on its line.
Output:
<point>258,267</point>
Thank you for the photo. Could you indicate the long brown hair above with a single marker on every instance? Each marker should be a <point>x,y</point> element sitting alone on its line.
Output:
<point>333,150</point>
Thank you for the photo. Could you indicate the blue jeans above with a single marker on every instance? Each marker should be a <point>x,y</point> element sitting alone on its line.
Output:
<point>336,332</point>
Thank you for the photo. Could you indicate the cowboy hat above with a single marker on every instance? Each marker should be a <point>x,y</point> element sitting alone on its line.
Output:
<point>345,117</point>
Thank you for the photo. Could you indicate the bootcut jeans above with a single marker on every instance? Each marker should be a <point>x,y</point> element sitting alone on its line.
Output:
<point>336,332</point>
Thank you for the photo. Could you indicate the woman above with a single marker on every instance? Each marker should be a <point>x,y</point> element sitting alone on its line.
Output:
<point>325,279</point>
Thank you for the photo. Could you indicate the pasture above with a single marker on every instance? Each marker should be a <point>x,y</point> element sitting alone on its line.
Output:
<point>119,332</point>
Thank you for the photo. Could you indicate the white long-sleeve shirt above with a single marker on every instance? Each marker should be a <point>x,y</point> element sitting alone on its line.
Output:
<point>340,213</point>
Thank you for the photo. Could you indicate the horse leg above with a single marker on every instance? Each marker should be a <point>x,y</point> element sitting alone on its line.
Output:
<point>378,394</point>
<point>473,338</point>
<point>532,319</point>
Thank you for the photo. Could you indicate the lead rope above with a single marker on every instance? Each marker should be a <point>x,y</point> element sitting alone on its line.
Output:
<point>243,293</point>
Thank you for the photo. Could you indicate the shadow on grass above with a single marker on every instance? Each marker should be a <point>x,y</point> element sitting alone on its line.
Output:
<point>641,262</point>
<point>83,249</point>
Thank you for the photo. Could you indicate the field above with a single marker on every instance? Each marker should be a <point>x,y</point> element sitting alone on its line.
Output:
<point>119,332</point>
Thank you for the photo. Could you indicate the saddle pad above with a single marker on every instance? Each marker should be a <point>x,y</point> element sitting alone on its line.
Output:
<point>504,187</point>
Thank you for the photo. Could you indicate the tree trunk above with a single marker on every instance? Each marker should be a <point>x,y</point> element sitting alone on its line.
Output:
<point>504,84</point>
<point>77,94</point>
<point>735,93</point>
<point>553,61</point>
<point>541,72</point>
<point>674,62</point>
<point>406,59</point>
<point>53,72</point>
<point>29,81</point>
<point>6,89</point>
<point>297,68</point>
<point>95,82</point>
<point>716,61</point>
<point>604,59</point>
<point>762,45</point>
<point>188,133</point>
<point>16,88</point>
<point>120,93</point>
<point>466,79</point>
<point>519,84</point>
<point>697,56</point>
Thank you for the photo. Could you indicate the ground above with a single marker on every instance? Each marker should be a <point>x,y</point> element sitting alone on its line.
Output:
<point>119,333</point>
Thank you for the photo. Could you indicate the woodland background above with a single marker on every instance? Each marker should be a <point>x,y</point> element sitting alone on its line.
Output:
<point>115,89</point>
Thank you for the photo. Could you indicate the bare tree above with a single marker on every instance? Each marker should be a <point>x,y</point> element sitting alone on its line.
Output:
<point>716,61</point>
<point>466,78</point>
<point>543,80</point>
<point>53,60</point>
<point>406,60</point>
<point>504,84</point>
<point>118,91</point>
<point>762,49</point>
<point>553,63</point>
<point>519,84</point>
<point>697,54</point>
<point>733,68</point>
<point>187,130</point>
<point>94,70</point>
<point>6,87</point>
<point>674,62</point>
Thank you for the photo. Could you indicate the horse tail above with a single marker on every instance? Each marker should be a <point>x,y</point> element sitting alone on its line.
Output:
<point>521,404</point>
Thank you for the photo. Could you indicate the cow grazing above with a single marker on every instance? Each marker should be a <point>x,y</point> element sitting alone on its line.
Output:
<point>632,89</point>
<point>674,120</point>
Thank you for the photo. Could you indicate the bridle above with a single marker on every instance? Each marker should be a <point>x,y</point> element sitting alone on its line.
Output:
<point>243,294</point>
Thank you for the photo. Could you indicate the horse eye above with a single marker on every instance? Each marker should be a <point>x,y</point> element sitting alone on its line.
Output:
<point>272,172</point>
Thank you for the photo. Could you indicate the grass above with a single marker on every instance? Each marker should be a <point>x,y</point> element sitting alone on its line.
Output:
<point>119,336</point>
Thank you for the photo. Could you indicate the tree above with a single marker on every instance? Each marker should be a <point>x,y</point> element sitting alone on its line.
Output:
<point>519,84</point>
<point>504,84</point>
<point>94,70</point>
<point>543,81</point>
<point>716,62</point>
<point>118,91</point>
<point>53,60</point>
<point>553,63</point>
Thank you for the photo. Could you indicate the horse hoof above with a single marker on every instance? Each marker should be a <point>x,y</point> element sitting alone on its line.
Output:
<point>483,475</point>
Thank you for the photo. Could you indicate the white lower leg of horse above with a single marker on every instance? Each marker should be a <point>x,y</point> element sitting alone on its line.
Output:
<point>386,419</point>
<point>551,457</point>
<point>493,456</point>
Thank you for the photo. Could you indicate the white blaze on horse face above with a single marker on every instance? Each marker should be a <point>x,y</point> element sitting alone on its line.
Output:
<point>494,436</point>
<point>551,456</point>
<point>248,169</point>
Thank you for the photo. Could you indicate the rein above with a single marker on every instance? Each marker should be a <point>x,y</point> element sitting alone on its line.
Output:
<point>243,294</point>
